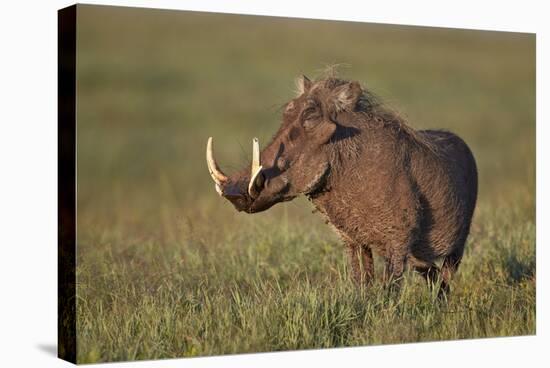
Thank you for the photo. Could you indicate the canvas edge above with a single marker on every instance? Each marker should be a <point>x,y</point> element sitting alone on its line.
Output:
<point>66,185</point>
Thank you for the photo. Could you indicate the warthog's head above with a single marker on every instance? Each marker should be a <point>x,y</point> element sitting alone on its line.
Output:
<point>297,160</point>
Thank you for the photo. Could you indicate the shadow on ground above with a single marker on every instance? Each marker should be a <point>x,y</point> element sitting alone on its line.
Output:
<point>50,349</point>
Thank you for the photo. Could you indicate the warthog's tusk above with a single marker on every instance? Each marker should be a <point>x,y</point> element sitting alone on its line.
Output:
<point>216,174</point>
<point>218,189</point>
<point>256,167</point>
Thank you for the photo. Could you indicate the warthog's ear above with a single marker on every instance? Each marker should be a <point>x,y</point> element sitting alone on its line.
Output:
<point>303,84</point>
<point>346,96</point>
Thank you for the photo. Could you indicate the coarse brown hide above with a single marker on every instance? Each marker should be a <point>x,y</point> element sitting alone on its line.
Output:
<point>407,195</point>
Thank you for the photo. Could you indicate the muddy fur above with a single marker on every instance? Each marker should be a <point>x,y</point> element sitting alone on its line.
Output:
<point>406,195</point>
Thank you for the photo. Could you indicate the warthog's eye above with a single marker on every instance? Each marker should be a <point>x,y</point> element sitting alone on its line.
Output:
<point>309,112</point>
<point>309,117</point>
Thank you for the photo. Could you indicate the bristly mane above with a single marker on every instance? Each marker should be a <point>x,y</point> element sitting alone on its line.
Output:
<point>377,113</point>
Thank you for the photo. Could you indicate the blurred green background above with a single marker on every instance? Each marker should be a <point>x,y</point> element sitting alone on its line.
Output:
<point>156,244</point>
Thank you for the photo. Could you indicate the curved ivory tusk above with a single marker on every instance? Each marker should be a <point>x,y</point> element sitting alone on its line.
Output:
<point>256,167</point>
<point>219,189</point>
<point>253,179</point>
<point>255,155</point>
<point>217,175</point>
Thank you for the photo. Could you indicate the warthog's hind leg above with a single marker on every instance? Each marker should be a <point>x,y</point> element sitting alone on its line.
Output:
<point>431,273</point>
<point>449,268</point>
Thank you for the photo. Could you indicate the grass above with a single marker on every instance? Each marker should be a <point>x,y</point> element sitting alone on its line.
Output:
<point>280,289</point>
<point>167,269</point>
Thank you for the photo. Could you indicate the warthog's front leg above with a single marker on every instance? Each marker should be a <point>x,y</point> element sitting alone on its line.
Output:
<point>362,264</point>
<point>394,267</point>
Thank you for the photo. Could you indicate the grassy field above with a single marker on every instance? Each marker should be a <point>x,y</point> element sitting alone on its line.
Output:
<point>168,269</point>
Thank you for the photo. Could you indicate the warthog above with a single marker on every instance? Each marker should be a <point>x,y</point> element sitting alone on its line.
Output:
<point>407,195</point>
